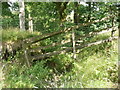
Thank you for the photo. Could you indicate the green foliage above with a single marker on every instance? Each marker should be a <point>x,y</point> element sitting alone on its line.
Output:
<point>95,66</point>
<point>6,11</point>
<point>62,62</point>
<point>24,77</point>
<point>93,69</point>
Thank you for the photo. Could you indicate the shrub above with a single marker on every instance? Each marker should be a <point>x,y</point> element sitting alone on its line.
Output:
<point>61,63</point>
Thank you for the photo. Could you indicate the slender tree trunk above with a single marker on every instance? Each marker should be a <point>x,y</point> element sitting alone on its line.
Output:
<point>89,16</point>
<point>30,23</point>
<point>22,14</point>
<point>76,15</point>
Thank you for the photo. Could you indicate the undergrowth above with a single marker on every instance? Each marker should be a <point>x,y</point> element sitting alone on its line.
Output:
<point>95,67</point>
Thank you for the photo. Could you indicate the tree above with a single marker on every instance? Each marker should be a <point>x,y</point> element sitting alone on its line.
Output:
<point>61,6</point>
<point>22,14</point>
<point>89,8</point>
<point>5,9</point>
<point>30,19</point>
<point>30,23</point>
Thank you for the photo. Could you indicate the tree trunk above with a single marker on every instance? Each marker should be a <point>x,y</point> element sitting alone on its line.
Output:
<point>76,14</point>
<point>89,15</point>
<point>30,23</point>
<point>22,15</point>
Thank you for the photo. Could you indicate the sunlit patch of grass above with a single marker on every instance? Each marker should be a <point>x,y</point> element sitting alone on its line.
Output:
<point>96,67</point>
<point>17,76</point>
<point>14,34</point>
<point>100,37</point>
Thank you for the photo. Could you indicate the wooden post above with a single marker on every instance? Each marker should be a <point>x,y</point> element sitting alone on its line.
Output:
<point>26,57</point>
<point>113,29</point>
<point>22,15</point>
<point>73,43</point>
<point>27,62</point>
<point>119,49</point>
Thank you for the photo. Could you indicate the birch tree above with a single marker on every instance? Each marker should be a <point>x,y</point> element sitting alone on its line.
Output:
<point>22,15</point>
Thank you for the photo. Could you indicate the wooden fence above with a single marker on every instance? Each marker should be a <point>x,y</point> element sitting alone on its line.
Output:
<point>26,43</point>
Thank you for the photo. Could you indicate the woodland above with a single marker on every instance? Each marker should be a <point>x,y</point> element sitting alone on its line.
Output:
<point>59,45</point>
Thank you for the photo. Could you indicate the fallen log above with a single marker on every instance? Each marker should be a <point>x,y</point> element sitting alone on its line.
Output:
<point>70,49</point>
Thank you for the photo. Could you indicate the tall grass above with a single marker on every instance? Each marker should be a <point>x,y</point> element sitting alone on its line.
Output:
<point>96,67</point>
<point>14,34</point>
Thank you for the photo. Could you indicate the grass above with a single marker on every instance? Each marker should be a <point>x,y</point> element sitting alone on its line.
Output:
<point>1,78</point>
<point>95,67</point>
<point>14,34</point>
